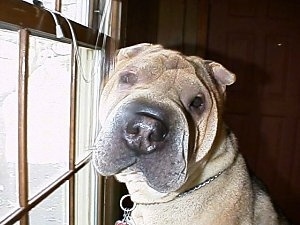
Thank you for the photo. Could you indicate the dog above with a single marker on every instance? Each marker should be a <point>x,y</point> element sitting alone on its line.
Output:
<point>163,136</point>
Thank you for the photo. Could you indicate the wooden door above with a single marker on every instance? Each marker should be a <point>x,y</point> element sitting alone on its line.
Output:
<point>260,42</point>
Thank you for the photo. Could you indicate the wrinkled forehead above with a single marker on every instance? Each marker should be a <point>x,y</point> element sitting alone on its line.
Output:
<point>156,62</point>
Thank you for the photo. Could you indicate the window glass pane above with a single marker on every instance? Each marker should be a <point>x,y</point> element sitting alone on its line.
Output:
<point>48,111</point>
<point>76,10</point>
<point>9,52</point>
<point>85,196</point>
<point>49,4</point>
<point>87,98</point>
<point>53,210</point>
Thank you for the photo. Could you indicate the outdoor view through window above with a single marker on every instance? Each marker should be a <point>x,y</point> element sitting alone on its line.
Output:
<point>60,123</point>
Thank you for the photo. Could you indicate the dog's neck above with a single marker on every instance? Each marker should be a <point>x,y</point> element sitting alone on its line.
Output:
<point>215,163</point>
<point>201,185</point>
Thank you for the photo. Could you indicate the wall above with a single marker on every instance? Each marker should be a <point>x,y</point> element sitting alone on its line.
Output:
<point>172,23</point>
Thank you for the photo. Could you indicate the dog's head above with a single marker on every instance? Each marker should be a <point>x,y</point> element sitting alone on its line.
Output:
<point>160,112</point>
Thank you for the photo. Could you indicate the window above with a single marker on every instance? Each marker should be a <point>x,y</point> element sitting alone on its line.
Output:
<point>49,92</point>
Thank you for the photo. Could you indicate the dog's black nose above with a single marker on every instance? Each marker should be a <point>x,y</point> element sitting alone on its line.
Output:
<point>145,133</point>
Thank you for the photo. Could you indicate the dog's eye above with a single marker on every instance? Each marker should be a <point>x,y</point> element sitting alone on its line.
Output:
<point>128,78</point>
<point>197,102</point>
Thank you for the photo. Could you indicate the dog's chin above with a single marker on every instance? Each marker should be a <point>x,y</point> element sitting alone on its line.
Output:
<point>140,191</point>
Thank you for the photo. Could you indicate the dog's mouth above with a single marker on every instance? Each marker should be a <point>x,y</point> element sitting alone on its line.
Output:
<point>151,139</point>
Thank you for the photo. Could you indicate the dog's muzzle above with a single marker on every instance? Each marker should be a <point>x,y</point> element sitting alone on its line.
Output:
<point>148,137</point>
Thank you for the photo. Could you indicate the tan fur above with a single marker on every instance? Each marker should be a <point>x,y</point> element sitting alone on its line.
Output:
<point>168,79</point>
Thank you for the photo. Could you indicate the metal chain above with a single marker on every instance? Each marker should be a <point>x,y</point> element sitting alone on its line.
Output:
<point>201,185</point>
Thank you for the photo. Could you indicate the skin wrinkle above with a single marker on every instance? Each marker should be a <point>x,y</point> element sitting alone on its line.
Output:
<point>200,137</point>
<point>141,74</point>
<point>183,156</point>
<point>170,87</point>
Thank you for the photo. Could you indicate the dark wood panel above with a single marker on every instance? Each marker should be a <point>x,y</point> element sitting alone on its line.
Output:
<point>259,41</point>
<point>268,148</point>
<point>293,86</point>
<point>285,159</point>
<point>240,124</point>
<point>191,26</point>
<point>141,21</point>
<point>247,8</point>
<point>276,64</point>
<point>171,23</point>
<point>283,10</point>
<point>241,46</point>
<point>293,194</point>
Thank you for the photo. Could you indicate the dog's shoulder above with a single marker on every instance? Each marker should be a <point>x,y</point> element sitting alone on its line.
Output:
<point>263,204</point>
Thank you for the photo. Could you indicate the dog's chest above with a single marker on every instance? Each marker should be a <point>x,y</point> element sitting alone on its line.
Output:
<point>179,212</point>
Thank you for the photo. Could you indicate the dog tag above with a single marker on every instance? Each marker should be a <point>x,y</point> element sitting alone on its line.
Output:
<point>127,222</point>
<point>127,219</point>
<point>130,221</point>
<point>119,222</point>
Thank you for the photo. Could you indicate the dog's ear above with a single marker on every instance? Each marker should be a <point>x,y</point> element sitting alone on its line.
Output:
<point>129,52</point>
<point>223,76</point>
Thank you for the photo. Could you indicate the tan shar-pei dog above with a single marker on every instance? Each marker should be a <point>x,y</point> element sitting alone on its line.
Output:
<point>163,135</point>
